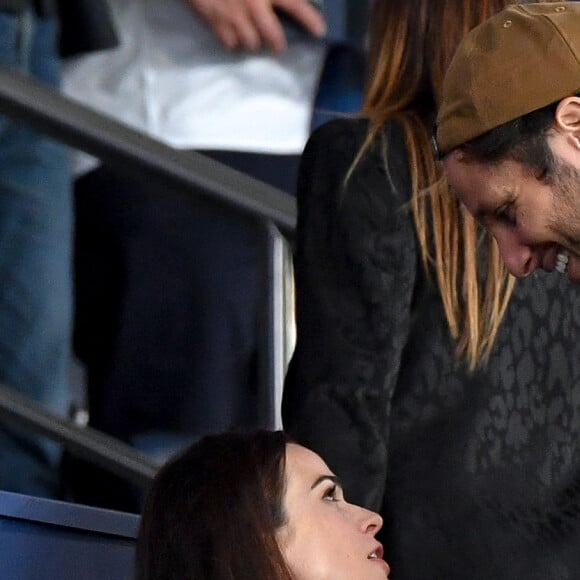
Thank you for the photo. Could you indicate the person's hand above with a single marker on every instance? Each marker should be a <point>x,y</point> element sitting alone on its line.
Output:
<point>251,24</point>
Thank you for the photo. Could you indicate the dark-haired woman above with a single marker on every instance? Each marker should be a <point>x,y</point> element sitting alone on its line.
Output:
<point>254,507</point>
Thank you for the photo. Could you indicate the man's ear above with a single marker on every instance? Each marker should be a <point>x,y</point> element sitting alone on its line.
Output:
<point>567,116</point>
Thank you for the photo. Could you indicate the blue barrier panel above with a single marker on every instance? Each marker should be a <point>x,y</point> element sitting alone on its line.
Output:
<point>43,539</point>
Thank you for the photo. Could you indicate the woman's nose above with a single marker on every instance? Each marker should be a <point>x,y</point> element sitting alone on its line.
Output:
<point>371,522</point>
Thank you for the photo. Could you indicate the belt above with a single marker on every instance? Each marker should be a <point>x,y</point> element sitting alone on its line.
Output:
<point>43,8</point>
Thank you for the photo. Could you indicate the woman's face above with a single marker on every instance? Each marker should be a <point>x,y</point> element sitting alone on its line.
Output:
<point>326,538</point>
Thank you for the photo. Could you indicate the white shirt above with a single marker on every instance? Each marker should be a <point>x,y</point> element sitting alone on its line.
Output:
<point>172,79</point>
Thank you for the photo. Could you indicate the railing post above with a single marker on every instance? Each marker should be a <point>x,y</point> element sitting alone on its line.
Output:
<point>278,325</point>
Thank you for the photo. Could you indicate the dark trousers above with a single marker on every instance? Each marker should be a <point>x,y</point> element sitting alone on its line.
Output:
<point>35,249</point>
<point>168,295</point>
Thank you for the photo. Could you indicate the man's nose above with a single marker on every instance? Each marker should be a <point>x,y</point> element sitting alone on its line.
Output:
<point>520,259</point>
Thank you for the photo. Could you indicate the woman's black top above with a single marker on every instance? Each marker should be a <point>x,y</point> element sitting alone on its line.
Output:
<point>477,476</point>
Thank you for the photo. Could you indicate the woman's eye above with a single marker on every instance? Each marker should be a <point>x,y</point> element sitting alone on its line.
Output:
<point>331,494</point>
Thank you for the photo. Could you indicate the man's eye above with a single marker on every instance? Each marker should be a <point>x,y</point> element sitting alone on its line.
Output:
<point>506,214</point>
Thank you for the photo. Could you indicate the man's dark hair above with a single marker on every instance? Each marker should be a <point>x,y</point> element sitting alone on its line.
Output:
<point>522,140</point>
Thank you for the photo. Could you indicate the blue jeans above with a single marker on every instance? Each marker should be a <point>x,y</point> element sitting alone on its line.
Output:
<point>35,262</point>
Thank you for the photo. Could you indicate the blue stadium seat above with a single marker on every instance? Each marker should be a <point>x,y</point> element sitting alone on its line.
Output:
<point>43,539</point>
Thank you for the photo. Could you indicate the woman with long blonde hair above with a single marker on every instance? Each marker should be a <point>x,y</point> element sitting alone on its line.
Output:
<point>427,378</point>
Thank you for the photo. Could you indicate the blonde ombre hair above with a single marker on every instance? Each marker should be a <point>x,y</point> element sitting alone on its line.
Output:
<point>411,45</point>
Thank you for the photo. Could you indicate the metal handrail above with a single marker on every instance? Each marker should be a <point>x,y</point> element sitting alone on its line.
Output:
<point>83,442</point>
<point>48,111</point>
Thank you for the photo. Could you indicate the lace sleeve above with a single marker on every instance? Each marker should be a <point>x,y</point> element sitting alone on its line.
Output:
<point>355,264</point>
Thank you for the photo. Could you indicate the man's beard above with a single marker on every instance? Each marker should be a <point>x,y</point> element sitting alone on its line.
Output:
<point>566,203</point>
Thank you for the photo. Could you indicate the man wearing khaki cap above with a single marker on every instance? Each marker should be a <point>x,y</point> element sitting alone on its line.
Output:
<point>508,131</point>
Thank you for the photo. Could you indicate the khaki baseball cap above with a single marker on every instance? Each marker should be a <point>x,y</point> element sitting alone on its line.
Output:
<point>522,59</point>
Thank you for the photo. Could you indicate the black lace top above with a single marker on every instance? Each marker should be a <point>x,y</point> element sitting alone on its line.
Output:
<point>476,475</point>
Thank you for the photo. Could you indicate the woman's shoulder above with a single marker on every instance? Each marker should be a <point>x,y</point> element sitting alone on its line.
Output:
<point>343,127</point>
<point>352,132</point>
<point>342,184</point>
<point>334,145</point>
<point>340,147</point>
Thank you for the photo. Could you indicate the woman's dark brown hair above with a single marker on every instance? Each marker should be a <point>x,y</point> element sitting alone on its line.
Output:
<point>213,511</point>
